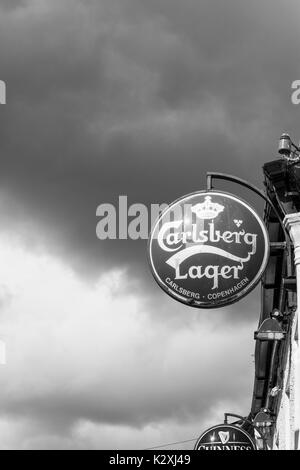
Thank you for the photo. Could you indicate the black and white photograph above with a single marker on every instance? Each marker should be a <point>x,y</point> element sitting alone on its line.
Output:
<point>149,227</point>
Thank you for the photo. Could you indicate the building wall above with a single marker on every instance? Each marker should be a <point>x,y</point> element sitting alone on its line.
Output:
<point>286,435</point>
<point>287,426</point>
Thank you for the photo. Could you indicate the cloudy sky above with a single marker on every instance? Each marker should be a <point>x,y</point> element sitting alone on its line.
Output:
<point>136,98</point>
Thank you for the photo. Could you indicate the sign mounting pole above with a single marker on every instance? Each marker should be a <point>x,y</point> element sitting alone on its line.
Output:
<point>234,179</point>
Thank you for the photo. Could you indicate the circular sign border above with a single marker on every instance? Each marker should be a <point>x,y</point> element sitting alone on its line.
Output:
<point>227,426</point>
<point>239,295</point>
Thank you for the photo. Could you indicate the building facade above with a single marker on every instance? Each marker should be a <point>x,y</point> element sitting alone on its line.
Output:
<point>287,424</point>
<point>276,391</point>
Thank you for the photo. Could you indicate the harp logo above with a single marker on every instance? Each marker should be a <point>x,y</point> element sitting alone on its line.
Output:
<point>208,249</point>
<point>224,436</point>
<point>2,92</point>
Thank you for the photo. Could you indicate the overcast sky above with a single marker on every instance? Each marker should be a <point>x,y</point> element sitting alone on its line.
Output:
<point>136,98</point>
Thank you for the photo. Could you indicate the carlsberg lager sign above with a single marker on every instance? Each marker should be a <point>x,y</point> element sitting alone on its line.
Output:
<point>208,249</point>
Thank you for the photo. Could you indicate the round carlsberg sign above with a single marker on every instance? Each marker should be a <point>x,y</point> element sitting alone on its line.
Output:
<point>208,249</point>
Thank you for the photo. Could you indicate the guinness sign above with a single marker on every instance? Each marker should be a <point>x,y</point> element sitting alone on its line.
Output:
<point>208,249</point>
<point>225,437</point>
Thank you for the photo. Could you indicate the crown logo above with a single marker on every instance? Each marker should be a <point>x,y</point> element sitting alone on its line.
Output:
<point>207,209</point>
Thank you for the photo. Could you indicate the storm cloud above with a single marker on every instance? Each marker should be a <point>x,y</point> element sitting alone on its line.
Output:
<point>136,98</point>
